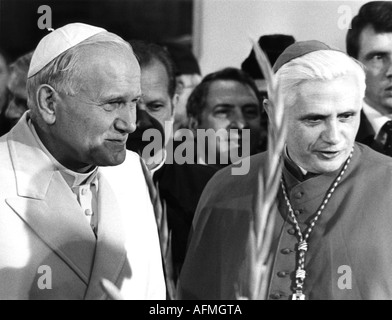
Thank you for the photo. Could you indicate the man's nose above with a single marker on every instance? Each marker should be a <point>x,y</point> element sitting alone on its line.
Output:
<point>331,133</point>
<point>10,110</point>
<point>144,120</point>
<point>126,121</point>
<point>13,111</point>
<point>389,68</point>
<point>237,121</point>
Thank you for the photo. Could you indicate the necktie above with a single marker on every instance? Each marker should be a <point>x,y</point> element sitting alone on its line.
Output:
<point>383,142</point>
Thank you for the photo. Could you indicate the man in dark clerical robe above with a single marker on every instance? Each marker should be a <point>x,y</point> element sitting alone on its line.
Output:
<point>332,231</point>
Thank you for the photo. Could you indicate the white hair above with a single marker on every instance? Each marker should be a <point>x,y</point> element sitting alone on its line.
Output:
<point>318,65</point>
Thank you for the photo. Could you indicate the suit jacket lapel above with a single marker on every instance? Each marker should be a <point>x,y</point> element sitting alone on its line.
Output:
<point>59,221</point>
<point>46,203</point>
<point>110,253</point>
<point>366,132</point>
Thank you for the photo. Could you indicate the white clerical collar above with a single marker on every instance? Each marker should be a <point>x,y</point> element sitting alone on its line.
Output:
<point>376,119</point>
<point>304,172</point>
<point>72,178</point>
<point>75,179</point>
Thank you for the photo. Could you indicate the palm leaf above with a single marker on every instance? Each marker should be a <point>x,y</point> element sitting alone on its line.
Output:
<point>262,223</point>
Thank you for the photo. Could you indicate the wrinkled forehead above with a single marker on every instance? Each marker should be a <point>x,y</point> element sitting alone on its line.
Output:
<point>230,88</point>
<point>336,93</point>
<point>91,55</point>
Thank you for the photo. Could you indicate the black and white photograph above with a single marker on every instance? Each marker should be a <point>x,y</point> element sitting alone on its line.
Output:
<point>192,155</point>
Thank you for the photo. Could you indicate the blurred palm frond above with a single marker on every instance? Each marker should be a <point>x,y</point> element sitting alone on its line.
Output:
<point>111,290</point>
<point>262,225</point>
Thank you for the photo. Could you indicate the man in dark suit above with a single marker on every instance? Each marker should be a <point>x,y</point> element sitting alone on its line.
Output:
<point>370,41</point>
<point>228,103</point>
<point>179,185</point>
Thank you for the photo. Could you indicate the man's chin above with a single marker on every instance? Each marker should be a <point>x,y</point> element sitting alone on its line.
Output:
<point>327,166</point>
<point>388,103</point>
<point>112,160</point>
<point>225,156</point>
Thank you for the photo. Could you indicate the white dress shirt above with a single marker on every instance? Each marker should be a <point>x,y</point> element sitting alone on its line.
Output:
<point>376,119</point>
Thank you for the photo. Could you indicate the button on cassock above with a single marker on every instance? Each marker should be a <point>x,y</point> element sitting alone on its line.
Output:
<point>275,296</point>
<point>299,195</point>
<point>291,231</point>
<point>282,274</point>
<point>286,251</point>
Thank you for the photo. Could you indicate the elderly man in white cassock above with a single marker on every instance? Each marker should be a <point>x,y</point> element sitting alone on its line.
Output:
<point>74,205</point>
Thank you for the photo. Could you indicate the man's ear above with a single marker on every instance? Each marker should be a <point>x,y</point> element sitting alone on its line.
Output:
<point>47,98</point>
<point>175,99</point>
<point>267,107</point>
<point>193,124</point>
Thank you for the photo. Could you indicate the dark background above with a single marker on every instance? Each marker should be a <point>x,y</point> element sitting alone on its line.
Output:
<point>151,20</point>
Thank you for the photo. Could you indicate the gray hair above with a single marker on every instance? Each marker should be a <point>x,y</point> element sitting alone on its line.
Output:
<point>62,71</point>
<point>318,65</point>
